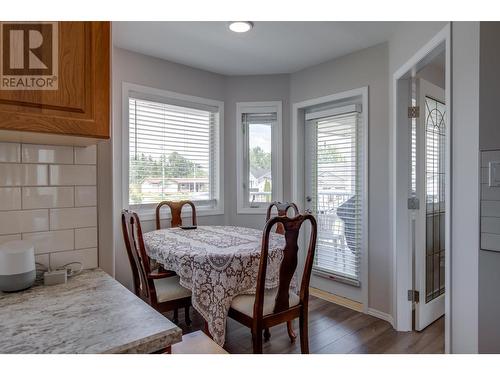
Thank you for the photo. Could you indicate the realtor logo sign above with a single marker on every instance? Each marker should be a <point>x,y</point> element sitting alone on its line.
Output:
<point>29,56</point>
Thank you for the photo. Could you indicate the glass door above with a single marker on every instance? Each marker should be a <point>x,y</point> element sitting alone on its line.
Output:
<point>334,192</point>
<point>430,223</point>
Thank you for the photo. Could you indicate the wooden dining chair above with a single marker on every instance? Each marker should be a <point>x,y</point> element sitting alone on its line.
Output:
<point>160,289</point>
<point>175,212</point>
<point>267,308</point>
<point>282,210</point>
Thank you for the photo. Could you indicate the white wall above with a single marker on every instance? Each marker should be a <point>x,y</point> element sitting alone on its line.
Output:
<point>402,46</point>
<point>148,71</point>
<point>465,142</point>
<point>367,67</point>
<point>247,89</point>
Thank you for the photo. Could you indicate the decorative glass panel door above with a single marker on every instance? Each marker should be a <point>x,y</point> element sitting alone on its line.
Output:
<point>430,224</point>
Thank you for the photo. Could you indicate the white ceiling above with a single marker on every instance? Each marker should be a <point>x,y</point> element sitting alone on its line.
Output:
<point>269,48</point>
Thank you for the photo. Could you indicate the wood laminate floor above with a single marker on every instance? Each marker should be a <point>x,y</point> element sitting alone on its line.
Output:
<point>333,329</point>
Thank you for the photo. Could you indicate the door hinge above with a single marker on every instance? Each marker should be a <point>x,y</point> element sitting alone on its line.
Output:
<point>413,203</point>
<point>413,296</point>
<point>414,112</point>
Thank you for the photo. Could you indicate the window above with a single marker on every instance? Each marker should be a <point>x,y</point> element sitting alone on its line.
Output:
<point>336,187</point>
<point>173,148</point>
<point>259,155</point>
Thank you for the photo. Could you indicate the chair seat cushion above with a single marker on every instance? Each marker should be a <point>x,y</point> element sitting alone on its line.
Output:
<point>169,289</point>
<point>244,302</point>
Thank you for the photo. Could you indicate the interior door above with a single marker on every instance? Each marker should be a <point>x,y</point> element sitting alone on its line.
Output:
<point>334,194</point>
<point>430,218</point>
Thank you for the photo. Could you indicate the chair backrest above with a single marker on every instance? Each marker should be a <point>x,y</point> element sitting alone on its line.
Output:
<point>175,212</point>
<point>282,209</point>
<point>139,260</point>
<point>288,264</point>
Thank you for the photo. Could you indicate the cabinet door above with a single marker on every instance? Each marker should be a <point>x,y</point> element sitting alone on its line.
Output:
<point>80,105</point>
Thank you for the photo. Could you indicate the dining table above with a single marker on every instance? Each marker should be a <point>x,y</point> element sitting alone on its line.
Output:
<point>216,263</point>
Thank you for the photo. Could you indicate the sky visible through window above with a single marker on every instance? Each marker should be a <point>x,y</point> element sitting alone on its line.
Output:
<point>260,136</point>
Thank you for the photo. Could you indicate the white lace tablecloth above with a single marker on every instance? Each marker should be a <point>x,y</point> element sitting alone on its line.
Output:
<point>216,263</point>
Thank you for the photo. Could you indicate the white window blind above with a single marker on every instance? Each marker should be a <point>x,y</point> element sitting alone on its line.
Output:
<point>173,150</point>
<point>337,151</point>
<point>258,168</point>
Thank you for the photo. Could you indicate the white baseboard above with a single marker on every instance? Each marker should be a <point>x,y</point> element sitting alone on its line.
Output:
<point>381,315</point>
<point>342,301</point>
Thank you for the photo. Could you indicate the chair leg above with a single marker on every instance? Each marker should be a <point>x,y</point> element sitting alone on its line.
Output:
<point>267,334</point>
<point>291,333</point>
<point>257,341</point>
<point>187,318</point>
<point>176,316</point>
<point>304,334</point>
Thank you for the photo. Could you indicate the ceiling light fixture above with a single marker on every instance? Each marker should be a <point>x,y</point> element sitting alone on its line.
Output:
<point>240,26</point>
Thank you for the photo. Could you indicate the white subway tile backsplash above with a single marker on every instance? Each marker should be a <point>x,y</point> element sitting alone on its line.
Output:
<point>487,156</point>
<point>48,197</point>
<point>65,218</point>
<point>490,205</point>
<point>42,259</point>
<point>23,175</point>
<point>490,193</point>
<point>85,196</point>
<point>88,257</point>
<point>490,208</point>
<point>490,225</point>
<point>10,152</point>
<point>10,199</point>
<point>490,241</point>
<point>12,222</point>
<point>72,174</point>
<point>85,238</point>
<point>9,237</point>
<point>86,155</point>
<point>485,175</point>
<point>10,174</point>
<point>47,154</point>
<point>48,242</point>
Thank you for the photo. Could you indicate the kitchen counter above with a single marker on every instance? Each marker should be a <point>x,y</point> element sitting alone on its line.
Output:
<point>91,313</point>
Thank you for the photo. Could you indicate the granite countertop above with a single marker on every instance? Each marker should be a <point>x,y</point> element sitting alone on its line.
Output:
<point>91,313</point>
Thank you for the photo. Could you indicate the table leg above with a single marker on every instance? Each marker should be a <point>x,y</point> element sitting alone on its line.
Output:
<point>205,329</point>
<point>167,350</point>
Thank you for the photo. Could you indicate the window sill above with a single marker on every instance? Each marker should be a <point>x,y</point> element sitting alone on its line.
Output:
<point>148,214</point>
<point>252,210</point>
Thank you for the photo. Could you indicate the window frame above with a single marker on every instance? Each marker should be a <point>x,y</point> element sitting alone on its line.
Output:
<point>147,211</point>
<point>243,206</point>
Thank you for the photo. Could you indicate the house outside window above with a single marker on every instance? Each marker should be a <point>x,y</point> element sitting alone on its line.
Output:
<point>174,148</point>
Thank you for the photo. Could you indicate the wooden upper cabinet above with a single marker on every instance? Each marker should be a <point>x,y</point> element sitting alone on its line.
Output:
<point>80,106</point>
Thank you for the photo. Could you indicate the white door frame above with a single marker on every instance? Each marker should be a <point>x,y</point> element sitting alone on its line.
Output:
<point>402,257</point>
<point>298,167</point>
